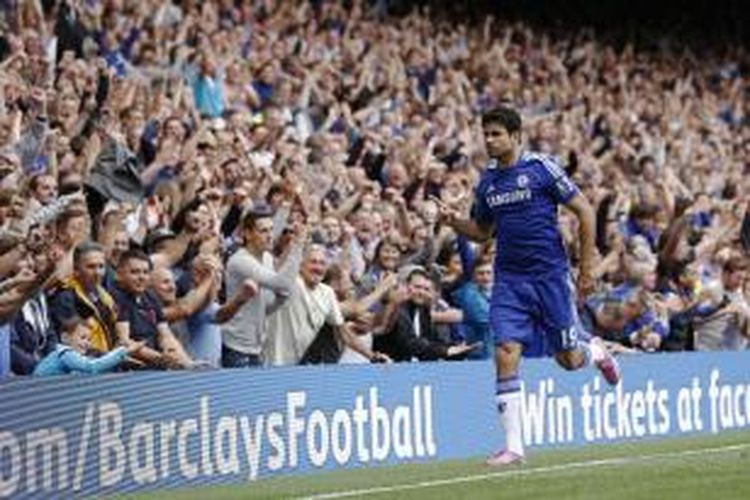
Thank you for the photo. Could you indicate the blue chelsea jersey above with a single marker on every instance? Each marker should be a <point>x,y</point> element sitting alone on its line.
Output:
<point>521,203</point>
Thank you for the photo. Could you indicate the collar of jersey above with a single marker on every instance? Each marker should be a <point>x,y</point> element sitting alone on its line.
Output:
<point>495,165</point>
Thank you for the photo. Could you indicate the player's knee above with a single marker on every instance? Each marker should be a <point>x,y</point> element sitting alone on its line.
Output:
<point>507,357</point>
<point>508,352</point>
<point>570,360</point>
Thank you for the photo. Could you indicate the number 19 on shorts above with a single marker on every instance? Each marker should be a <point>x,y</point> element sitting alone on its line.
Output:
<point>569,338</point>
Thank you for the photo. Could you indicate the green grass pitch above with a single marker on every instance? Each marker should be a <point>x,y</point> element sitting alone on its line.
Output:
<point>706,467</point>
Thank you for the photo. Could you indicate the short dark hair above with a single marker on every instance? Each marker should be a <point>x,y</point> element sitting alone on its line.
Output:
<point>85,248</point>
<point>333,273</point>
<point>418,272</point>
<point>273,191</point>
<point>483,260</point>
<point>387,241</point>
<point>70,213</point>
<point>70,323</point>
<point>643,211</point>
<point>504,116</point>
<point>735,264</point>
<point>645,159</point>
<point>134,254</point>
<point>34,181</point>
<point>253,215</point>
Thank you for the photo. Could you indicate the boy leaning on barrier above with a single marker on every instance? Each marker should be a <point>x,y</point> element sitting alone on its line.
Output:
<point>70,355</point>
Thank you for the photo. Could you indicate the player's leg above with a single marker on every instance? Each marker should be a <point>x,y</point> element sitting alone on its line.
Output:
<point>512,327</point>
<point>591,351</point>
<point>574,347</point>
<point>578,355</point>
<point>508,401</point>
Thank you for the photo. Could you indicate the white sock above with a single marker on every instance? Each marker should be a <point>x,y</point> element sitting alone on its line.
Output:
<point>509,405</point>
<point>598,351</point>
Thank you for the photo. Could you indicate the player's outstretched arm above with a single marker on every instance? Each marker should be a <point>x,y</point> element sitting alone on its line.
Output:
<point>468,227</point>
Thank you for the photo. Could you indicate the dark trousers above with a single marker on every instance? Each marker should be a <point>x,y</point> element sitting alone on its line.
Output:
<point>235,359</point>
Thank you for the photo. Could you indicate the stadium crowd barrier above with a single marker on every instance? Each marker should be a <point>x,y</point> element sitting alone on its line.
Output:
<point>116,433</point>
<point>661,395</point>
<point>91,436</point>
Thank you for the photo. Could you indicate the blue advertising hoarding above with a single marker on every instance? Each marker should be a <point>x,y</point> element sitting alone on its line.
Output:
<point>85,436</point>
<point>91,436</point>
<point>660,395</point>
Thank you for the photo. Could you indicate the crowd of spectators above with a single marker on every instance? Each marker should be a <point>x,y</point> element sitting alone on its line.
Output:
<point>195,184</point>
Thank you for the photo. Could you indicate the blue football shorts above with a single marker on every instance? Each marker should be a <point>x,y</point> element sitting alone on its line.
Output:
<point>540,313</point>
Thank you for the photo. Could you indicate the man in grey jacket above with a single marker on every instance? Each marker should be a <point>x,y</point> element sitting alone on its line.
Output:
<point>245,334</point>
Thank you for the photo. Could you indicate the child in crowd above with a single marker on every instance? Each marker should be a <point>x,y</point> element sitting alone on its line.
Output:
<point>70,355</point>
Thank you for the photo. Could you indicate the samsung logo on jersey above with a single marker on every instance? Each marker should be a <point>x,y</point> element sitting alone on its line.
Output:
<point>517,196</point>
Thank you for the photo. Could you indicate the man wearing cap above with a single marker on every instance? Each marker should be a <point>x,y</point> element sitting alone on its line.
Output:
<point>156,240</point>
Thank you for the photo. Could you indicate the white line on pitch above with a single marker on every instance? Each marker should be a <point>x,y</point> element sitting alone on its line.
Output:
<point>523,472</point>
